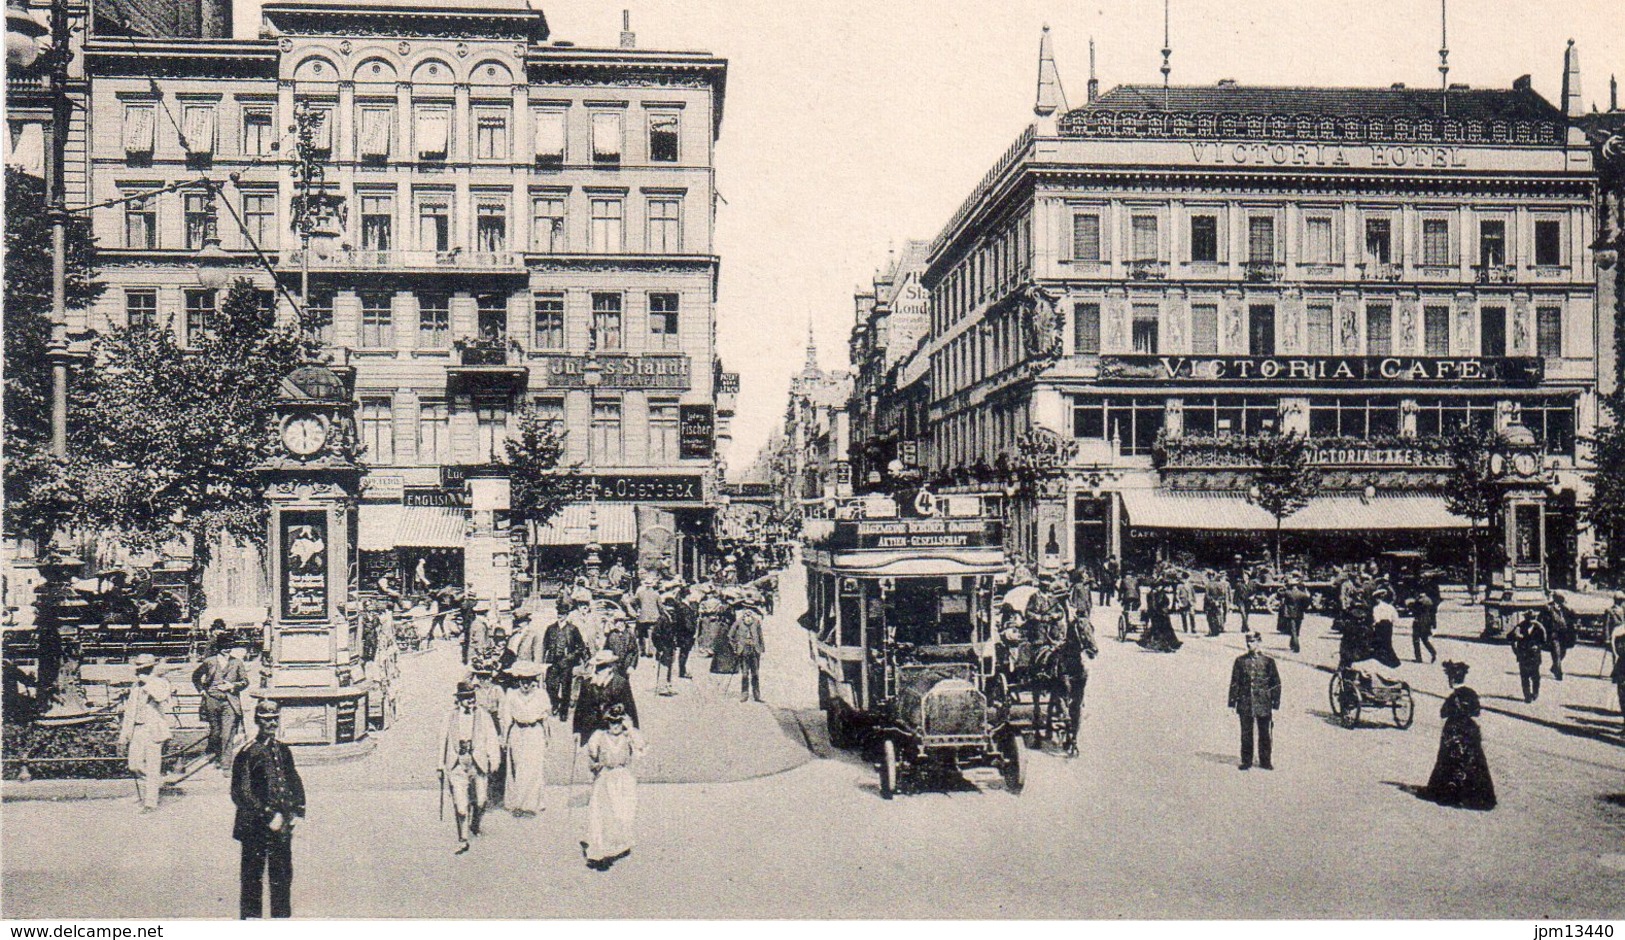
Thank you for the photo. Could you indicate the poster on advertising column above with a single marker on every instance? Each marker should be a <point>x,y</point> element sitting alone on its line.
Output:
<point>304,565</point>
<point>697,428</point>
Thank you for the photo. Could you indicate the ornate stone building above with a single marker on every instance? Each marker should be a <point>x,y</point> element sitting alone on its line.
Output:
<point>514,208</point>
<point>890,321</point>
<point>1142,286</point>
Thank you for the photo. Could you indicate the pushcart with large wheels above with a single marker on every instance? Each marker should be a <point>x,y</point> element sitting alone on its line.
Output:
<point>1353,690</point>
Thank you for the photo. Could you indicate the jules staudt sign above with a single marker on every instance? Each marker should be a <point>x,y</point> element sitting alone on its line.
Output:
<point>620,372</point>
<point>1324,370</point>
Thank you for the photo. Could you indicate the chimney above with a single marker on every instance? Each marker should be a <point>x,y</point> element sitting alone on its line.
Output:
<point>214,20</point>
<point>1613,93</point>
<point>1572,105</point>
<point>629,39</point>
<point>1050,95</point>
<point>1094,83</point>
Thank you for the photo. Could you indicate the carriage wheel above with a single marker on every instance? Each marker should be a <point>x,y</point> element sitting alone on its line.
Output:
<point>1015,764</point>
<point>888,769</point>
<point>1334,693</point>
<point>1404,707</point>
<point>1122,627</point>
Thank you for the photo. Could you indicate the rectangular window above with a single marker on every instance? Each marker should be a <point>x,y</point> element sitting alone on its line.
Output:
<point>1261,238</point>
<point>432,127</point>
<point>1441,417</point>
<point>140,307</point>
<point>1379,330</point>
<point>1548,242</point>
<point>1353,417</point>
<point>491,225</point>
<point>1436,242</point>
<point>548,329</point>
<point>608,225</point>
<point>197,123</point>
<point>491,318</point>
<point>663,139</point>
<point>259,219</point>
<point>434,321</point>
<point>141,222</point>
<point>1205,329</point>
<point>1133,422</point>
<point>322,136</point>
<point>1319,321</point>
<point>377,221</point>
<point>200,312</point>
<point>1230,416</point>
<point>607,443</point>
<point>1086,329</point>
<point>662,431</point>
<point>1436,331</point>
<point>663,322</point>
<point>1379,241</point>
<point>199,219</point>
<point>606,137</point>
<point>1205,238</point>
<point>491,135</point>
<point>1145,238</point>
<point>1261,330</point>
<point>319,315</point>
<point>434,223</point>
<point>606,321</point>
<point>373,133</point>
<point>377,320</point>
<point>139,124</point>
<point>1492,331</point>
<point>1549,332</point>
<point>1492,242</point>
<point>549,409</point>
<point>1552,421</point>
<point>491,428</point>
<point>1145,329</point>
<point>434,431</point>
<point>550,137</point>
<point>378,430</point>
<point>665,226</point>
<point>1317,240</point>
<point>547,224</point>
<point>259,132</point>
<point>1086,237</point>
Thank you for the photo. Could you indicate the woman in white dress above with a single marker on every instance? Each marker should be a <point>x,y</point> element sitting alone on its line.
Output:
<point>522,717</point>
<point>614,806</point>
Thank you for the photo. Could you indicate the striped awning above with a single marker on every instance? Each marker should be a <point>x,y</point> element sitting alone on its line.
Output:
<point>1219,512</point>
<point>431,527</point>
<point>617,525</point>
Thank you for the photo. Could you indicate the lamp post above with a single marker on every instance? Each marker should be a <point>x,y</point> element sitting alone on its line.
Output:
<point>316,213</point>
<point>592,376</point>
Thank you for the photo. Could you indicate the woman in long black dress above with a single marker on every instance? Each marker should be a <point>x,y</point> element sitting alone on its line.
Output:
<point>1461,775</point>
<point>1159,626</point>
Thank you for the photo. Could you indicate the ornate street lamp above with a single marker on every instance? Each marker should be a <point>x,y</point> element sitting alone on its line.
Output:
<point>23,33</point>
<point>592,375</point>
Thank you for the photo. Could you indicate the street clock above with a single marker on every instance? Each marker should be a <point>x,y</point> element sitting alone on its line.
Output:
<point>304,435</point>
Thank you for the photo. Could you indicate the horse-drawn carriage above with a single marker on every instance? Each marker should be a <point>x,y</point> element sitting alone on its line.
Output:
<point>901,623</point>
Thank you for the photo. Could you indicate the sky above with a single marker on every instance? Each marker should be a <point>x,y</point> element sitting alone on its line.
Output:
<point>853,125</point>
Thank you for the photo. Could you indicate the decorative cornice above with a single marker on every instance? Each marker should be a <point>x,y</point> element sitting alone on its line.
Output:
<point>1107,124</point>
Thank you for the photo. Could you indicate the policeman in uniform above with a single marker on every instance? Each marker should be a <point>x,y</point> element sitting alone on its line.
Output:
<point>269,795</point>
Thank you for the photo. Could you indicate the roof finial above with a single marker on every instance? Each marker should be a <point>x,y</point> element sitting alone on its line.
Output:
<point>1094,83</point>
<point>1051,97</point>
<point>1444,54</point>
<point>629,39</point>
<point>1167,52</point>
<point>1573,102</point>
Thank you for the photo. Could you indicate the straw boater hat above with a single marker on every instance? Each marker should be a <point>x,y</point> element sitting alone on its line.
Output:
<point>144,661</point>
<point>602,658</point>
<point>465,690</point>
<point>525,669</point>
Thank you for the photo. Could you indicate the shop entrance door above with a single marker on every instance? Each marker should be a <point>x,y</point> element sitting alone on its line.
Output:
<point>1091,527</point>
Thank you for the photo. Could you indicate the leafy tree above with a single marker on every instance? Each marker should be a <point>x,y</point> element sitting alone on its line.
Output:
<point>167,439</point>
<point>540,487</point>
<point>35,494</point>
<point>1285,480</point>
<point>1607,509</point>
<point>1472,492</point>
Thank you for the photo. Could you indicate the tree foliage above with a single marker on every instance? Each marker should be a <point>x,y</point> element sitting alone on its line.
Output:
<point>1607,508</point>
<point>1285,480</point>
<point>34,495</point>
<point>166,438</point>
<point>1472,492</point>
<point>540,486</point>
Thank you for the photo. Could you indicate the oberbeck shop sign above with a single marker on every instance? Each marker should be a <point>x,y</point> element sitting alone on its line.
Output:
<point>622,488</point>
<point>1324,370</point>
<point>620,371</point>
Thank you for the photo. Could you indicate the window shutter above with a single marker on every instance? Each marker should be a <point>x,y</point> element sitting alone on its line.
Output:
<point>433,130</point>
<point>138,130</point>
<point>199,127</point>
<point>606,136</point>
<point>550,135</point>
<point>375,133</point>
<point>323,137</point>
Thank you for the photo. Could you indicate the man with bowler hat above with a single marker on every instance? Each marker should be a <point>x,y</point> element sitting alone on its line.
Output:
<point>269,795</point>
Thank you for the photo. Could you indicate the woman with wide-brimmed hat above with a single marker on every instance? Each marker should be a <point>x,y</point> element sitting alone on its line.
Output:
<point>523,723</point>
<point>612,811</point>
<point>603,686</point>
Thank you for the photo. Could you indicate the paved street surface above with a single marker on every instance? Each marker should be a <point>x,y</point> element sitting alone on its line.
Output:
<point>764,819</point>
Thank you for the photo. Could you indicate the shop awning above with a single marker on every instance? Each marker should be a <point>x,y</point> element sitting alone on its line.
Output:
<point>617,525</point>
<point>1215,512</point>
<point>376,526</point>
<point>431,527</point>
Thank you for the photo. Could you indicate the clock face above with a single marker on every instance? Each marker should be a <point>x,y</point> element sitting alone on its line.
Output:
<point>1524,464</point>
<point>304,436</point>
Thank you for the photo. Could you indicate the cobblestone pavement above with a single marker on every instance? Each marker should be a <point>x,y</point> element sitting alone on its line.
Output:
<point>1152,820</point>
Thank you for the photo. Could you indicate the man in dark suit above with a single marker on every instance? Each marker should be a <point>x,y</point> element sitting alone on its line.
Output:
<point>1255,694</point>
<point>269,795</point>
<point>1294,605</point>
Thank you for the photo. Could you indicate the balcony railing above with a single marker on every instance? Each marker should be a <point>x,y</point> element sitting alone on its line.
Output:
<point>1147,269</point>
<point>1381,271</point>
<point>454,260</point>
<point>1495,273</point>
<point>1261,270</point>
